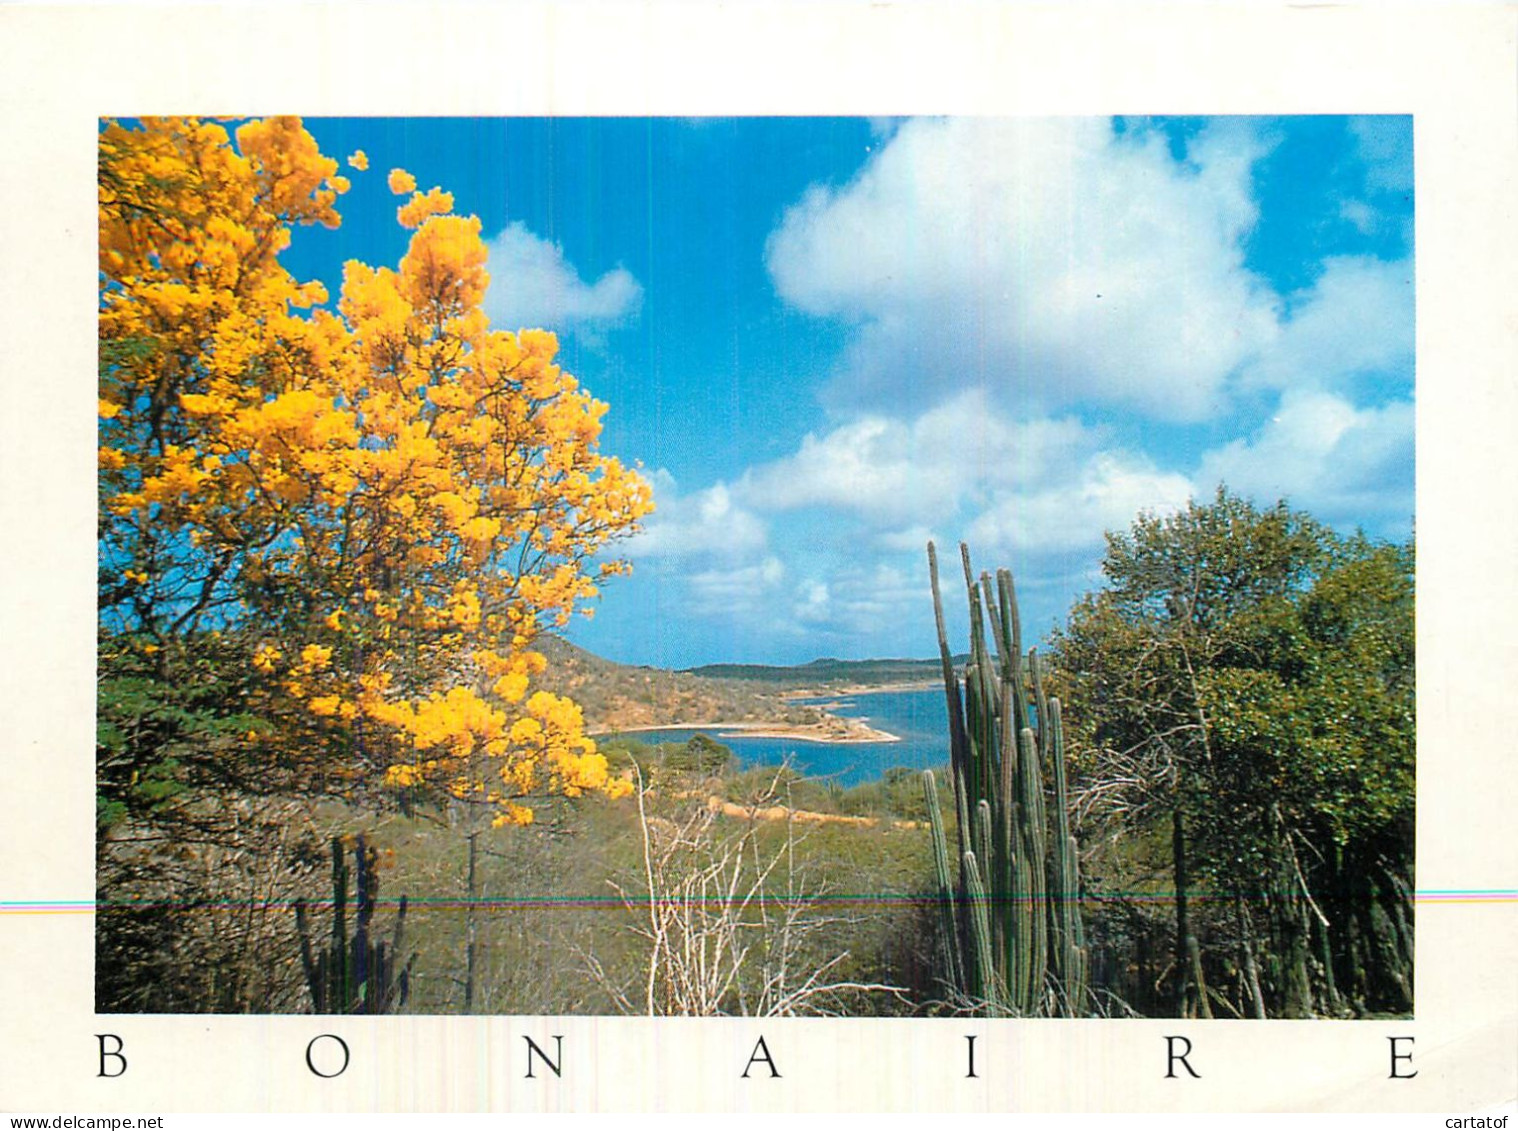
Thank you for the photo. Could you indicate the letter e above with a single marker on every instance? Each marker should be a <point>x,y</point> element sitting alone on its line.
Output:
<point>1396,1056</point>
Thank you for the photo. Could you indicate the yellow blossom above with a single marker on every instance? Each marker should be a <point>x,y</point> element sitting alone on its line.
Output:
<point>422,205</point>
<point>392,460</point>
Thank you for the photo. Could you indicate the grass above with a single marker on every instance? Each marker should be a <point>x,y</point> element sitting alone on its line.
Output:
<point>558,903</point>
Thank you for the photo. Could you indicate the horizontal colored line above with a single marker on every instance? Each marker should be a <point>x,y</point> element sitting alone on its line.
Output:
<point>490,903</point>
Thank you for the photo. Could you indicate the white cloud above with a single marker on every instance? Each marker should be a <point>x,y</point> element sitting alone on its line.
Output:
<point>705,524</point>
<point>1357,319</point>
<point>1036,486</point>
<point>1364,218</point>
<point>1385,144</point>
<point>915,472</point>
<point>1072,514</point>
<point>1010,288</point>
<point>814,603</point>
<point>736,591</point>
<point>857,601</point>
<point>1052,260</point>
<point>533,285</point>
<point>911,539</point>
<point>1322,454</point>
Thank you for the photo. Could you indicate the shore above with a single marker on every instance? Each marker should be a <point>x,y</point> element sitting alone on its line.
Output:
<point>849,690</point>
<point>832,729</point>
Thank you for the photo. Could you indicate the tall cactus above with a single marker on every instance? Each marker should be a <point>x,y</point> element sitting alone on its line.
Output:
<point>1012,927</point>
<point>356,975</point>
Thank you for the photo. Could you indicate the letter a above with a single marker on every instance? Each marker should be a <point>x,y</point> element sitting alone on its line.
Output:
<point>762,1052</point>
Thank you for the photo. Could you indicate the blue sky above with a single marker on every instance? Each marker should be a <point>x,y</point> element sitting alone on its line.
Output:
<point>827,340</point>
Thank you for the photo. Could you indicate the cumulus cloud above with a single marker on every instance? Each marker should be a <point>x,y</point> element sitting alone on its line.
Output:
<point>1073,514</point>
<point>911,539</point>
<point>857,601</point>
<point>1356,320</point>
<point>1323,454</point>
<point>737,590</point>
<point>1364,218</point>
<point>814,603</point>
<point>1056,261</point>
<point>1040,485</point>
<point>707,523</point>
<point>1385,144</point>
<point>917,470</point>
<point>532,284</point>
<point>1015,294</point>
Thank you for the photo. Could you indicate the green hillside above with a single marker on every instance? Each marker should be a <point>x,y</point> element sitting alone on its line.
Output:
<point>828,671</point>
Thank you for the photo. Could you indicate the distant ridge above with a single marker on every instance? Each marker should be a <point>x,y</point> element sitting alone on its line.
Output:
<point>828,670</point>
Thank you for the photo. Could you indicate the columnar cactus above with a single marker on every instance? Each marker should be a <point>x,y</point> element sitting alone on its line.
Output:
<point>1012,925</point>
<point>354,975</point>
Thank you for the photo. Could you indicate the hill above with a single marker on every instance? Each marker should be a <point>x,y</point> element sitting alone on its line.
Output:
<point>828,673</point>
<point>629,697</point>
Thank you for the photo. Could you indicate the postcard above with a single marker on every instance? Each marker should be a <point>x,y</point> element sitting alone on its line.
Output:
<point>707,558</point>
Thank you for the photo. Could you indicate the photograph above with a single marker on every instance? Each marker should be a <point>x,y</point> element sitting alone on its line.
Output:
<point>909,567</point>
<point>757,559</point>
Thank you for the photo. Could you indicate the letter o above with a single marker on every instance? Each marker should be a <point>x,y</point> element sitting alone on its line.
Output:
<point>311,1064</point>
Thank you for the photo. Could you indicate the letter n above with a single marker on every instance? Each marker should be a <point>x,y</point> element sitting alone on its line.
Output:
<point>554,1066</point>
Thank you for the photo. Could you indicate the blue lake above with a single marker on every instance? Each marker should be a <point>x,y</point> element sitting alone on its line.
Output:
<point>920,718</point>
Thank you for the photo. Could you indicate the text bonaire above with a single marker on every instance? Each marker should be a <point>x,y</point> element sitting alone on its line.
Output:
<point>1179,1058</point>
<point>394,496</point>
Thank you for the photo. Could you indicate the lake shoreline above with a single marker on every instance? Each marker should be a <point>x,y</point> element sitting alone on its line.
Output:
<point>847,690</point>
<point>834,731</point>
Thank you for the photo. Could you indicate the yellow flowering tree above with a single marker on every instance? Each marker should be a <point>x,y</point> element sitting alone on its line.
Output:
<point>386,502</point>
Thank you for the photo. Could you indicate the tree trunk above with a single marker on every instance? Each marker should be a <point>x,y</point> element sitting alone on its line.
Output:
<point>1182,917</point>
<point>1251,971</point>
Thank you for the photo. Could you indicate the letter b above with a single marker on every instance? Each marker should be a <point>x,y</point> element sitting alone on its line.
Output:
<point>115,1052</point>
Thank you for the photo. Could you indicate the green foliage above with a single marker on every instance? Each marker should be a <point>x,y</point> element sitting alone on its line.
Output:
<point>166,716</point>
<point>700,754</point>
<point>622,753</point>
<point>1248,675</point>
<point>897,794</point>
